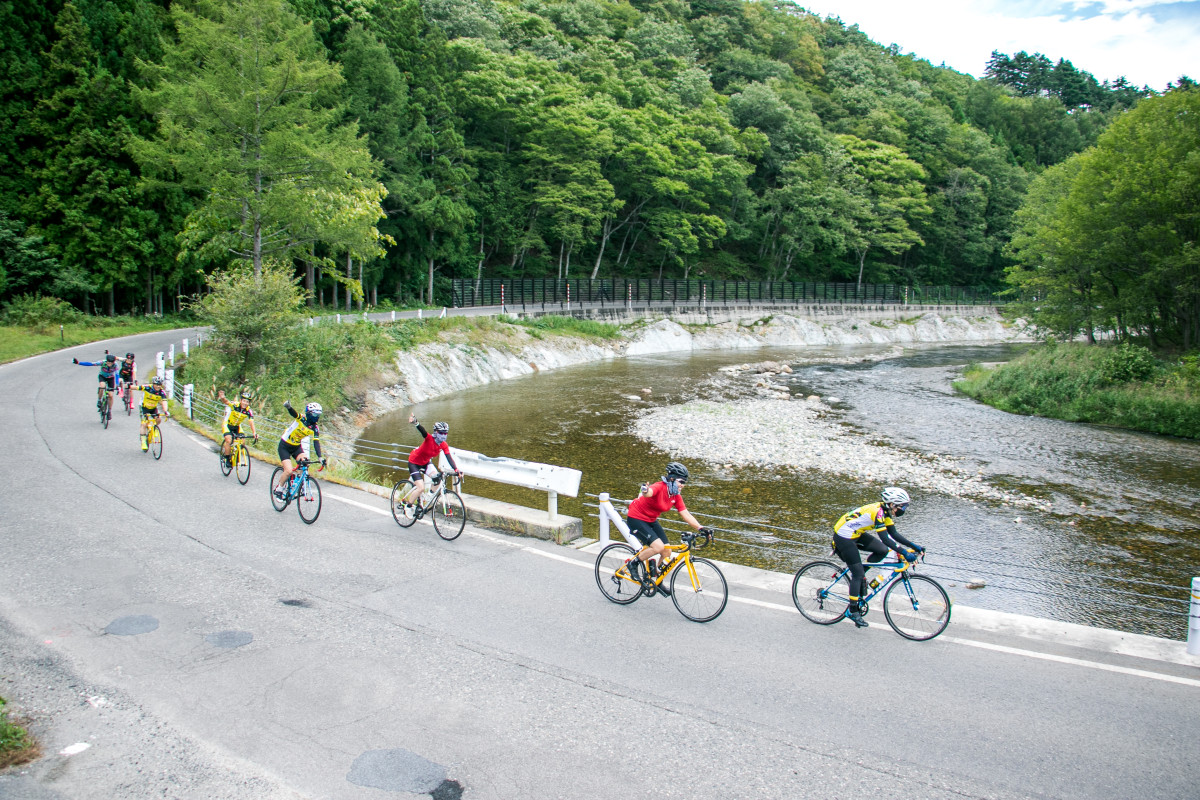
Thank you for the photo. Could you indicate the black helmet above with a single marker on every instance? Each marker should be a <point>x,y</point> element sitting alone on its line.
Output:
<point>110,358</point>
<point>129,355</point>
<point>676,470</point>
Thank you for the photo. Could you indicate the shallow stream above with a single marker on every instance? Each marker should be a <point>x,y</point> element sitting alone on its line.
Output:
<point>1113,539</point>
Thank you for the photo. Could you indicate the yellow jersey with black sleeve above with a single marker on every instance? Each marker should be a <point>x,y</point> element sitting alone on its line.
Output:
<point>152,396</point>
<point>871,518</point>
<point>237,416</point>
<point>297,432</point>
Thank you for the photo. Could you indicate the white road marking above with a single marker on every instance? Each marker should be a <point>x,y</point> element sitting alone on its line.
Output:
<point>1141,673</point>
<point>350,502</point>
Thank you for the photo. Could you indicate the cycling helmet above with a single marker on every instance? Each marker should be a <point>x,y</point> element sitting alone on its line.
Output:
<point>129,356</point>
<point>441,427</point>
<point>894,494</point>
<point>312,413</point>
<point>110,358</point>
<point>157,381</point>
<point>676,470</point>
<point>245,395</point>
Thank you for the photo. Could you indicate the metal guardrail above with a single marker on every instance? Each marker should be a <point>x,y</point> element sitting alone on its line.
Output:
<point>642,292</point>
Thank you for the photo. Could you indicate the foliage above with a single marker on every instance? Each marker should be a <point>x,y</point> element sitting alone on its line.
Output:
<point>38,313</point>
<point>16,745</point>
<point>20,342</point>
<point>1082,383</point>
<point>252,314</point>
<point>569,326</point>
<point>1107,240</point>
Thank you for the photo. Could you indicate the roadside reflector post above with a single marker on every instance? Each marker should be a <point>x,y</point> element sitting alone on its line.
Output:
<point>187,398</point>
<point>185,348</point>
<point>171,355</point>
<point>1193,642</point>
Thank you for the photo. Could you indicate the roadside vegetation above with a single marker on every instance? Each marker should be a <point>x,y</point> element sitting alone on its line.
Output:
<point>16,745</point>
<point>1125,386</point>
<point>30,325</point>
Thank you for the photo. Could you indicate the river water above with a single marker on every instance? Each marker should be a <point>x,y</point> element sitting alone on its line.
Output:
<point>1112,540</point>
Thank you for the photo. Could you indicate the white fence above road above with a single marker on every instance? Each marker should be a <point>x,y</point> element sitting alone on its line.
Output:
<point>548,478</point>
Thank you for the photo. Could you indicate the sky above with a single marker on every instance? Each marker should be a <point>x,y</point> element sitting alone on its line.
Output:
<point>1150,43</point>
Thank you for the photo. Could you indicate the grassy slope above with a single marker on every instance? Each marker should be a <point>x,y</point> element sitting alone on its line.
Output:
<point>1073,382</point>
<point>18,342</point>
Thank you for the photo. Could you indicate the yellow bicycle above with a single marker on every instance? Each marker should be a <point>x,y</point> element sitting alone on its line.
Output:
<point>154,436</point>
<point>239,459</point>
<point>700,594</point>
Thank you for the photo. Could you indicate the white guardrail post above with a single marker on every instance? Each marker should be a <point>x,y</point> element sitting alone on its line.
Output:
<point>160,362</point>
<point>187,398</point>
<point>171,355</point>
<point>1193,642</point>
<point>169,383</point>
<point>185,347</point>
<point>548,478</point>
<point>609,514</point>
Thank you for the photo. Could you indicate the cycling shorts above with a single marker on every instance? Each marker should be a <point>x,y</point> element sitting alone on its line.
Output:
<point>647,532</point>
<point>232,429</point>
<point>109,380</point>
<point>416,472</point>
<point>289,451</point>
<point>149,412</point>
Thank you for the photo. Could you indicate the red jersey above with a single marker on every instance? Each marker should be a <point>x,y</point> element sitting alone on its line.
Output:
<point>648,509</point>
<point>422,455</point>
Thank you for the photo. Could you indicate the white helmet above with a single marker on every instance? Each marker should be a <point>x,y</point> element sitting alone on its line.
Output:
<point>312,413</point>
<point>894,494</point>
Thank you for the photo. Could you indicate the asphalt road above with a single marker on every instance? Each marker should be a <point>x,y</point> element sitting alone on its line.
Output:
<point>204,646</point>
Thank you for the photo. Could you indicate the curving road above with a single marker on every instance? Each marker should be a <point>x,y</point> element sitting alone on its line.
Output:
<point>204,646</point>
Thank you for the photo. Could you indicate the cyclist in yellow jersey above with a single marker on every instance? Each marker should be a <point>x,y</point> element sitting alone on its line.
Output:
<point>234,418</point>
<point>855,531</point>
<point>154,399</point>
<point>290,447</point>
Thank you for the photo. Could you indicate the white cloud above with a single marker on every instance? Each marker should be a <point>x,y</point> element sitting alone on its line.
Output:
<point>1146,41</point>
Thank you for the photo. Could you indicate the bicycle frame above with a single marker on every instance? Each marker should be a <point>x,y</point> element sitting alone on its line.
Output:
<point>681,556</point>
<point>299,478</point>
<point>899,569</point>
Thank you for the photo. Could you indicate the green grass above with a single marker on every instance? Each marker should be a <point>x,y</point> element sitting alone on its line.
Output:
<point>21,342</point>
<point>16,745</point>
<point>566,326</point>
<point>1123,387</point>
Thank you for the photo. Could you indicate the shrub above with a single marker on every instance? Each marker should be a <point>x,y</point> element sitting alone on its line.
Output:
<point>39,313</point>
<point>1126,363</point>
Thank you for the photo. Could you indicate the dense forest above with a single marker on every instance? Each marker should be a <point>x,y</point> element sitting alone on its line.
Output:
<point>381,147</point>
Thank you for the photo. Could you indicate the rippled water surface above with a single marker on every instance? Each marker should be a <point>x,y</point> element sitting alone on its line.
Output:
<point>1122,532</point>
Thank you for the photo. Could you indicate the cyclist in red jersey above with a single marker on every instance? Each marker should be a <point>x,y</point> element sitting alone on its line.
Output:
<point>421,457</point>
<point>644,512</point>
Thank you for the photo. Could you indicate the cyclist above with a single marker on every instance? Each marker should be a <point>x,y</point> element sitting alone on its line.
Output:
<point>154,400</point>
<point>291,442</point>
<point>422,456</point>
<point>109,376</point>
<point>643,515</point>
<point>855,531</point>
<point>234,417</point>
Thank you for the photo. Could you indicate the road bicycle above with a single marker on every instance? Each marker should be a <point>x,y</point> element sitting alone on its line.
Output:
<point>700,595</point>
<point>440,501</point>
<point>303,488</point>
<point>106,407</point>
<point>154,436</point>
<point>239,459</point>
<point>127,399</point>
<point>916,606</point>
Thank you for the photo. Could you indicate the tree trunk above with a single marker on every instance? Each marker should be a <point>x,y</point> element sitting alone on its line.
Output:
<point>112,302</point>
<point>335,296</point>
<point>309,271</point>
<point>862,260</point>
<point>149,291</point>
<point>349,277</point>
<point>362,287</point>
<point>430,300</point>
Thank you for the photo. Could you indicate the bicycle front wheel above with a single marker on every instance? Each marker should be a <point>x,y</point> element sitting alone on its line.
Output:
<point>401,490</point>
<point>241,458</point>
<point>917,607</point>
<point>156,442</point>
<point>309,501</point>
<point>701,593</point>
<point>278,483</point>
<point>128,402</point>
<point>226,466</point>
<point>106,410</point>
<point>449,515</point>
<point>821,592</point>
<point>612,574</point>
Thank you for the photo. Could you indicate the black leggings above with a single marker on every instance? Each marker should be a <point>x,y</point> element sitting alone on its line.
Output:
<point>847,550</point>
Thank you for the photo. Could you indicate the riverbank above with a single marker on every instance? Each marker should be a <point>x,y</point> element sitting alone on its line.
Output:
<point>1124,387</point>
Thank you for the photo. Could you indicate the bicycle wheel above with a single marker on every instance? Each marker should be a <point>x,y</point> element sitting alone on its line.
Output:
<point>401,490</point>
<point>128,402</point>
<point>309,501</point>
<point>449,515</point>
<point>916,607</point>
<point>612,574</point>
<point>242,458</point>
<point>156,442</point>
<point>701,594</point>
<point>276,479</point>
<point>226,466</point>
<point>106,409</point>
<point>821,592</point>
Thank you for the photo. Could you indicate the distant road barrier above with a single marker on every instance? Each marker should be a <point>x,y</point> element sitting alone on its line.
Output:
<point>548,478</point>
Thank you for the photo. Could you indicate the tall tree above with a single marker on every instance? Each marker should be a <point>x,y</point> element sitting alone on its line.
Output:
<point>248,115</point>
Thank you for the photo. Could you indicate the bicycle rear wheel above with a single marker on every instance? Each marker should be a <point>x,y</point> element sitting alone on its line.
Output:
<point>821,592</point>
<point>242,463</point>
<point>277,482</point>
<point>612,574</point>
<point>309,501</point>
<point>701,594</point>
<point>401,490</point>
<point>106,409</point>
<point>156,442</point>
<point>226,466</point>
<point>917,607</point>
<point>449,515</point>
<point>128,402</point>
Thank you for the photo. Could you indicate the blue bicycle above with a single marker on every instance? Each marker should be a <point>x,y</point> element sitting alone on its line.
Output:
<point>302,488</point>
<point>915,606</point>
